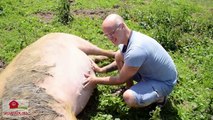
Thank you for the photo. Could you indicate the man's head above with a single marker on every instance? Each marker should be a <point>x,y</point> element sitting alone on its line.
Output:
<point>114,28</point>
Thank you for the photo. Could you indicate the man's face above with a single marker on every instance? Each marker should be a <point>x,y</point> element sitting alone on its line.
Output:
<point>110,33</point>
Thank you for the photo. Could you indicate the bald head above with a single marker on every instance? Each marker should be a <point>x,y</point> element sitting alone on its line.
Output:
<point>115,29</point>
<point>112,21</point>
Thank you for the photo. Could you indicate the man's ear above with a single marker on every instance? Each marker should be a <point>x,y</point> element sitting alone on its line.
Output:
<point>122,25</point>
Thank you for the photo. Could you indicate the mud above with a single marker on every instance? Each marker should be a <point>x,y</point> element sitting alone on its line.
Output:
<point>94,13</point>
<point>97,13</point>
<point>45,17</point>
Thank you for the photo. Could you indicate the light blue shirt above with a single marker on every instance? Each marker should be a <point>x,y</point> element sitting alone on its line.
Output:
<point>154,61</point>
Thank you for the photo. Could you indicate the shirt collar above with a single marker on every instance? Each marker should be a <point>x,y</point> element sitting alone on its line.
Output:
<point>125,46</point>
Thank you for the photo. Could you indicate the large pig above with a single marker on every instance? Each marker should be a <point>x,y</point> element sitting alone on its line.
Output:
<point>49,74</point>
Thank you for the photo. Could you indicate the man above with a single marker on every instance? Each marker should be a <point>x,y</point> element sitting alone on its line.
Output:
<point>141,58</point>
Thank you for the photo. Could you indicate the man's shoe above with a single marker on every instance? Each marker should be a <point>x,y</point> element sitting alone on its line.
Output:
<point>119,91</point>
<point>161,103</point>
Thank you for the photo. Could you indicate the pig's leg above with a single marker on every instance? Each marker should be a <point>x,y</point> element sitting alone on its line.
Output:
<point>100,54</point>
<point>108,68</point>
<point>98,58</point>
<point>91,49</point>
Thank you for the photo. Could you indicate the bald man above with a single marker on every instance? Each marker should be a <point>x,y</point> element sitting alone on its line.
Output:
<point>140,58</point>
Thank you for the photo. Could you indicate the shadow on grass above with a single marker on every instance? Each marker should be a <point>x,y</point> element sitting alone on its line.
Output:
<point>91,107</point>
<point>168,112</point>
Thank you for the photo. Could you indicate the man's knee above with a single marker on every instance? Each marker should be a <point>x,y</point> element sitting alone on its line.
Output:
<point>129,98</point>
<point>134,101</point>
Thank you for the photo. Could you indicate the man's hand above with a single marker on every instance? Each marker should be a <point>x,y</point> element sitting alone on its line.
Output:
<point>89,81</point>
<point>95,67</point>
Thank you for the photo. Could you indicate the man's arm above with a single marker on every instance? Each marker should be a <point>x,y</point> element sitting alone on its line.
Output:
<point>125,74</point>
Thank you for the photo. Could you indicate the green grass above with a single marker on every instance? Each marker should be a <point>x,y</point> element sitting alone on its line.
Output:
<point>95,4</point>
<point>183,27</point>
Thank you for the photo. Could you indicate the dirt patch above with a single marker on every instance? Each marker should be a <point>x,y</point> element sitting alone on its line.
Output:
<point>100,13</point>
<point>45,16</point>
<point>95,13</point>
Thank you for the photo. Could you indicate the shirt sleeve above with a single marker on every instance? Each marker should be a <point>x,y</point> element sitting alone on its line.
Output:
<point>120,46</point>
<point>135,57</point>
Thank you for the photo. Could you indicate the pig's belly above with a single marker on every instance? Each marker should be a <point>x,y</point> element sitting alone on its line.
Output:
<point>67,75</point>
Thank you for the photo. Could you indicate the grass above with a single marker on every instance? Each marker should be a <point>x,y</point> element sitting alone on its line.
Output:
<point>184,28</point>
<point>95,4</point>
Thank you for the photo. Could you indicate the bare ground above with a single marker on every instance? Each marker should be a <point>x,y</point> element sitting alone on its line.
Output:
<point>97,13</point>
